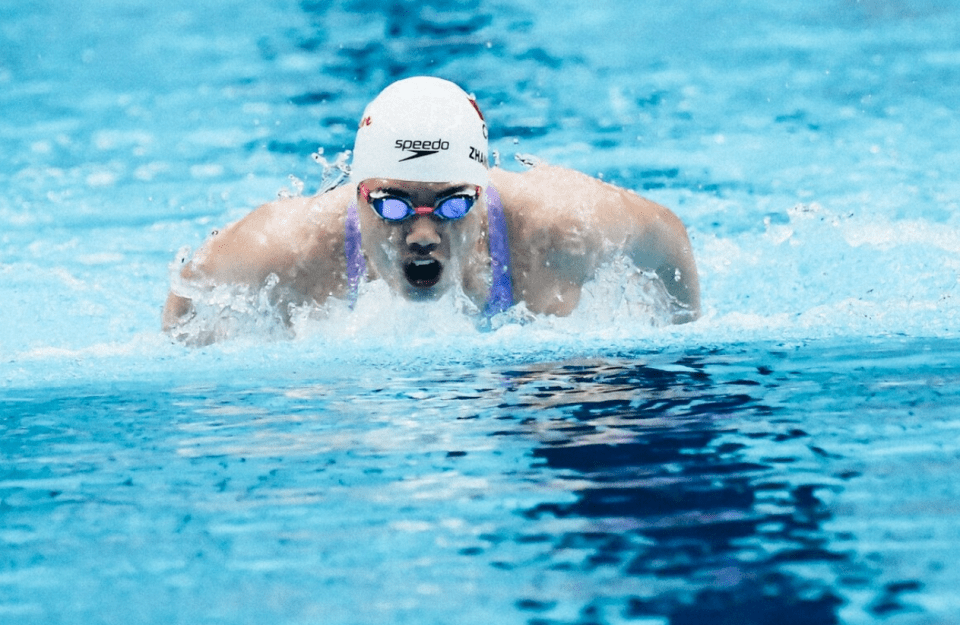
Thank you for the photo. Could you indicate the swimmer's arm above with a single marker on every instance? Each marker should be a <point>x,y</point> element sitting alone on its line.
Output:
<point>174,310</point>
<point>576,223</point>
<point>581,214</point>
<point>298,239</point>
<point>657,240</point>
<point>238,254</point>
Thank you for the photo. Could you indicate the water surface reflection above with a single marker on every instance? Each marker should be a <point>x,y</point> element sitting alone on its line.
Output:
<point>712,522</point>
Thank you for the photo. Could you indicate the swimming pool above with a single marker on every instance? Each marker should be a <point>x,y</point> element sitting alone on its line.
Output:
<point>787,458</point>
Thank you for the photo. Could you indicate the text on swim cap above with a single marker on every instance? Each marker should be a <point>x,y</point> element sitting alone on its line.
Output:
<point>478,156</point>
<point>420,147</point>
<point>435,145</point>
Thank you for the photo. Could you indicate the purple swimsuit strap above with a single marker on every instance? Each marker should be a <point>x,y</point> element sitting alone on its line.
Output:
<point>501,288</point>
<point>356,263</point>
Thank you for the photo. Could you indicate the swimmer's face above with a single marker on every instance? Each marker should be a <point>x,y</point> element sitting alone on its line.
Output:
<point>422,256</point>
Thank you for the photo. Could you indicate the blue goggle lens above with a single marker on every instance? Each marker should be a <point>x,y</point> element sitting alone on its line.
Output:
<point>397,209</point>
<point>391,208</point>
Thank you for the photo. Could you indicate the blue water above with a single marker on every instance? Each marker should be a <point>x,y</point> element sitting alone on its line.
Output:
<point>789,458</point>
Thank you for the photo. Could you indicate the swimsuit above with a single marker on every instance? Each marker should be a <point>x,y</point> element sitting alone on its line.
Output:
<point>501,288</point>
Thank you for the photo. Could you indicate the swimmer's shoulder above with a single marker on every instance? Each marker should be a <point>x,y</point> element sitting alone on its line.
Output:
<point>282,237</point>
<point>548,196</point>
<point>302,216</point>
<point>554,201</point>
<point>300,225</point>
<point>549,192</point>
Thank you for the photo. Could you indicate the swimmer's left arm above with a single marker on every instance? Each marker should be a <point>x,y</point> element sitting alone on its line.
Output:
<point>570,224</point>
<point>657,240</point>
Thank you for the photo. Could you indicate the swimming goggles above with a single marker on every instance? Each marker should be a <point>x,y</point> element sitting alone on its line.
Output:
<point>393,208</point>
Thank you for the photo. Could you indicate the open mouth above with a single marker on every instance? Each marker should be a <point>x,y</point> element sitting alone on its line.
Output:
<point>423,273</point>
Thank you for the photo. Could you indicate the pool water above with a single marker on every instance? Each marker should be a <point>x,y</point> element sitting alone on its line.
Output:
<point>788,458</point>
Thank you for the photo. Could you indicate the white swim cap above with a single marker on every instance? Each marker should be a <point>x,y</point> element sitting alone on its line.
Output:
<point>422,129</point>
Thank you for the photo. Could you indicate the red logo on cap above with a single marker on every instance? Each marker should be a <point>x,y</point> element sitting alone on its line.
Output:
<point>477,108</point>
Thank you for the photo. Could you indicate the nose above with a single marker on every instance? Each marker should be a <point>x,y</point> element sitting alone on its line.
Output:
<point>423,237</point>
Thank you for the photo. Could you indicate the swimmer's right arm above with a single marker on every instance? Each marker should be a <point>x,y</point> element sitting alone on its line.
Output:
<point>234,255</point>
<point>300,240</point>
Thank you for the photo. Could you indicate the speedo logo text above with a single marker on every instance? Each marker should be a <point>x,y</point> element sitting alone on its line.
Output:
<point>421,148</point>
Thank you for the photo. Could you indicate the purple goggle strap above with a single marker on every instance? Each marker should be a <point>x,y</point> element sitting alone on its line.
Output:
<point>501,290</point>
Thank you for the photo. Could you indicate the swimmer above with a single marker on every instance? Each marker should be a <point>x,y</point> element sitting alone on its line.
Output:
<point>424,212</point>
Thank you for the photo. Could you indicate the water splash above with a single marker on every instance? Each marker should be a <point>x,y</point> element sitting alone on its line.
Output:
<point>621,298</point>
<point>527,160</point>
<point>227,311</point>
<point>382,319</point>
<point>334,173</point>
<point>297,190</point>
<point>621,292</point>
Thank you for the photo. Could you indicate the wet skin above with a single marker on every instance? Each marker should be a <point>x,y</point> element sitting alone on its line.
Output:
<point>562,226</point>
